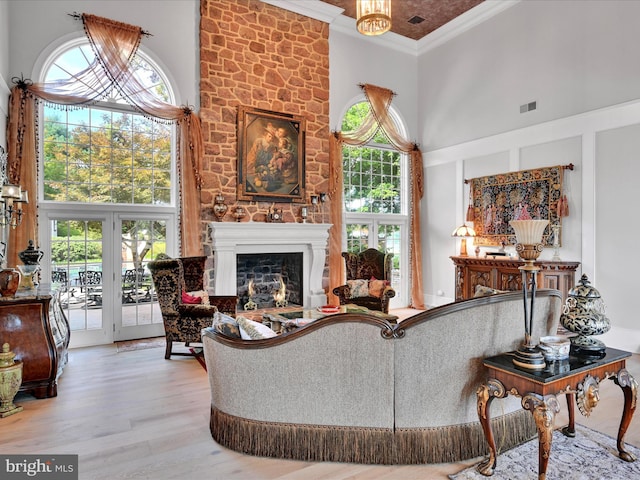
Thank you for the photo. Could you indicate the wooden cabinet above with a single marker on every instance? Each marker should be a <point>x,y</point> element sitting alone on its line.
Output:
<point>38,332</point>
<point>503,274</point>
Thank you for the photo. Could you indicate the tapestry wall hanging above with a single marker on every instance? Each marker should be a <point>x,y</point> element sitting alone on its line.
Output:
<point>271,156</point>
<point>522,195</point>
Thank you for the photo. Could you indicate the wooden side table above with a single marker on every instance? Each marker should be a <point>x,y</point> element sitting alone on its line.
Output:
<point>577,378</point>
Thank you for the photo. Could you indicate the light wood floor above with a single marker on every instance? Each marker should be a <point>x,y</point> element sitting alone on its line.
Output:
<point>136,415</point>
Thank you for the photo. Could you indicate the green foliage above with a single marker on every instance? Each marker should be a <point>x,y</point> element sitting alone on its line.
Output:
<point>76,251</point>
<point>371,174</point>
<point>105,157</point>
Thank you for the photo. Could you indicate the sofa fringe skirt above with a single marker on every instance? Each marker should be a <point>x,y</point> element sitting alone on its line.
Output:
<point>322,443</point>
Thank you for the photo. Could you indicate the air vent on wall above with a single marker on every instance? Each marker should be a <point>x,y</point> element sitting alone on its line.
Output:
<point>527,107</point>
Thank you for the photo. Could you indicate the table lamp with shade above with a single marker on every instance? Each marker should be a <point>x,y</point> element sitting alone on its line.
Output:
<point>529,247</point>
<point>463,232</point>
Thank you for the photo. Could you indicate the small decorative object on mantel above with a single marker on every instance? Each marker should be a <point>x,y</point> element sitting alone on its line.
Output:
<point>304,213</point>
<point>275,215</point>
<point>219,207</point>
<point>584,314</point>
<point>529,246</point>
<point>10,381</point>
<point>239,213</point>
<point>9,282</point>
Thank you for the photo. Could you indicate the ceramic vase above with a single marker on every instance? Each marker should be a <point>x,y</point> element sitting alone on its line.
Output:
<point>10,381</point>
<point>584,314</point>
<point>9,282</point>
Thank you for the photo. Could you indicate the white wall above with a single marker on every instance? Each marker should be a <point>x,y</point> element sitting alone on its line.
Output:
<point>174,25</point>
<point>4,71</point>
<point>355,59</point>
<point>570,56</point>
<point>575,59</point>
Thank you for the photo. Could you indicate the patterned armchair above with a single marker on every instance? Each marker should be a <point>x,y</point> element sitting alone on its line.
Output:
<point>368,280</point>
<point>183,322</point>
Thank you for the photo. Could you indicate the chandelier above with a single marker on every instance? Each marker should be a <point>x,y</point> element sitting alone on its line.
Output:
<point>373,16</point>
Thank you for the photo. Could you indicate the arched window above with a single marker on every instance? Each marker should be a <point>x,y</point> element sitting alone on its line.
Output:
<point>108,201</point>
<point>107,152</point>
<point>375,196</point>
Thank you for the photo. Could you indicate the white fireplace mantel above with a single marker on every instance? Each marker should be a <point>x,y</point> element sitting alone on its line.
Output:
<point>230,239</point>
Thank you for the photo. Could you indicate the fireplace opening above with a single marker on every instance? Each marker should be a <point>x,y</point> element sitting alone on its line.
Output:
<point>266,280</point>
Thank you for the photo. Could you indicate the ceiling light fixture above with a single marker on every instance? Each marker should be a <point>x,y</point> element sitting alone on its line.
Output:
<point>373,16</point>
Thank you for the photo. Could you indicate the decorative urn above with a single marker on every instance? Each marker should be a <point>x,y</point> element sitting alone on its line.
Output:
<point>31,257</point>
<point>219,207</point>
<point>584,314</point>
<point>10,381</point>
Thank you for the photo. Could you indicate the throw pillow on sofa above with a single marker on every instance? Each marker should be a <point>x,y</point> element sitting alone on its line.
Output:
<point>226,325</point>
<point>250,330</point>
<point>358,288</point>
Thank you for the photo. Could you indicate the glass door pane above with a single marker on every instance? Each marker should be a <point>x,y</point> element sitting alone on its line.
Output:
<point>76,266</point>
<point>141,241</point>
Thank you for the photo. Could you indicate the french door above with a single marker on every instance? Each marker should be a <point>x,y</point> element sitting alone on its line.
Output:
<point>99,261</point>
<point>386,236</point>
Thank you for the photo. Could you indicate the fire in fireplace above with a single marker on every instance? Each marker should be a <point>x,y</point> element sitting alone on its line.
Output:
<point>267,280</point>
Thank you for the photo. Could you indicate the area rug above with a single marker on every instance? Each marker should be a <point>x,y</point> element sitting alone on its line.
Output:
<point>198,353</point>
<point>140,344</point>
<point>590,455</point>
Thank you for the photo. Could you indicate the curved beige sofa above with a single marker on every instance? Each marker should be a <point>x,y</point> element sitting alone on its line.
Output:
<point>353,388</point>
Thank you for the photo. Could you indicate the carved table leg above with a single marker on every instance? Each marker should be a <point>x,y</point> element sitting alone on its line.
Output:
<point>570,430</point>
<point>486,394</point>
<point>630,388</point>
<point>544,411</point>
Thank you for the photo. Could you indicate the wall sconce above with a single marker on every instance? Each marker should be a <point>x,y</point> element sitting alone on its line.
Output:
<point>463,232</point>
<point>529,246</point>
<point>315,199</point>
<point>11,200</point>
<point>323,197</point>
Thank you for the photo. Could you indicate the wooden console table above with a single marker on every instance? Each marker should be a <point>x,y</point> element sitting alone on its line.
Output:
<point>578,378</point>
<point>38,332</point>
<point>501,273</point>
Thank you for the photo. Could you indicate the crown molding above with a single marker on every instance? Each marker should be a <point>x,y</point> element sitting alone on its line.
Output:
<point>337,21</point>
<point>309,8</point>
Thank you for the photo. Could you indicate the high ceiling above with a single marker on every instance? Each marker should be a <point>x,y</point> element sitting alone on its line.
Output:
<point>405,14</point>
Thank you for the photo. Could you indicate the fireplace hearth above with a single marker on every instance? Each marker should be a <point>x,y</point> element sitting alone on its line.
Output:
<point>261,277</point>
<point>230,239</point>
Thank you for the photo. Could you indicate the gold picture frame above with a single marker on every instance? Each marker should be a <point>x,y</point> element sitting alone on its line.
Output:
<point>271,156</point>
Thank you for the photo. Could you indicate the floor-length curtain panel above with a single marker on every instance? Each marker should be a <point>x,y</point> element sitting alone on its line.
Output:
<point>22,168</point>
<point>115,45</point>
<point>379,99</point>
<point>336,268</point>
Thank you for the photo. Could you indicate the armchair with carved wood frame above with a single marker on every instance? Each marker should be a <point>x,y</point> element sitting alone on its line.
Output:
<point>183,322</point>
<point>370,264</point>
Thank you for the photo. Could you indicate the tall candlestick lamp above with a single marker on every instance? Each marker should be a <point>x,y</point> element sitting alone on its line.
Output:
<point>529,247</point>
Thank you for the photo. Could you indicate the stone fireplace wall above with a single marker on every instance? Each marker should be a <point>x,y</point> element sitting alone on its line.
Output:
<point>258,55</point>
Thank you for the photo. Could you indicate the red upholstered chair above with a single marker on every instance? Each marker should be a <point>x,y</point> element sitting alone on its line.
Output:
<point>368,280</point>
